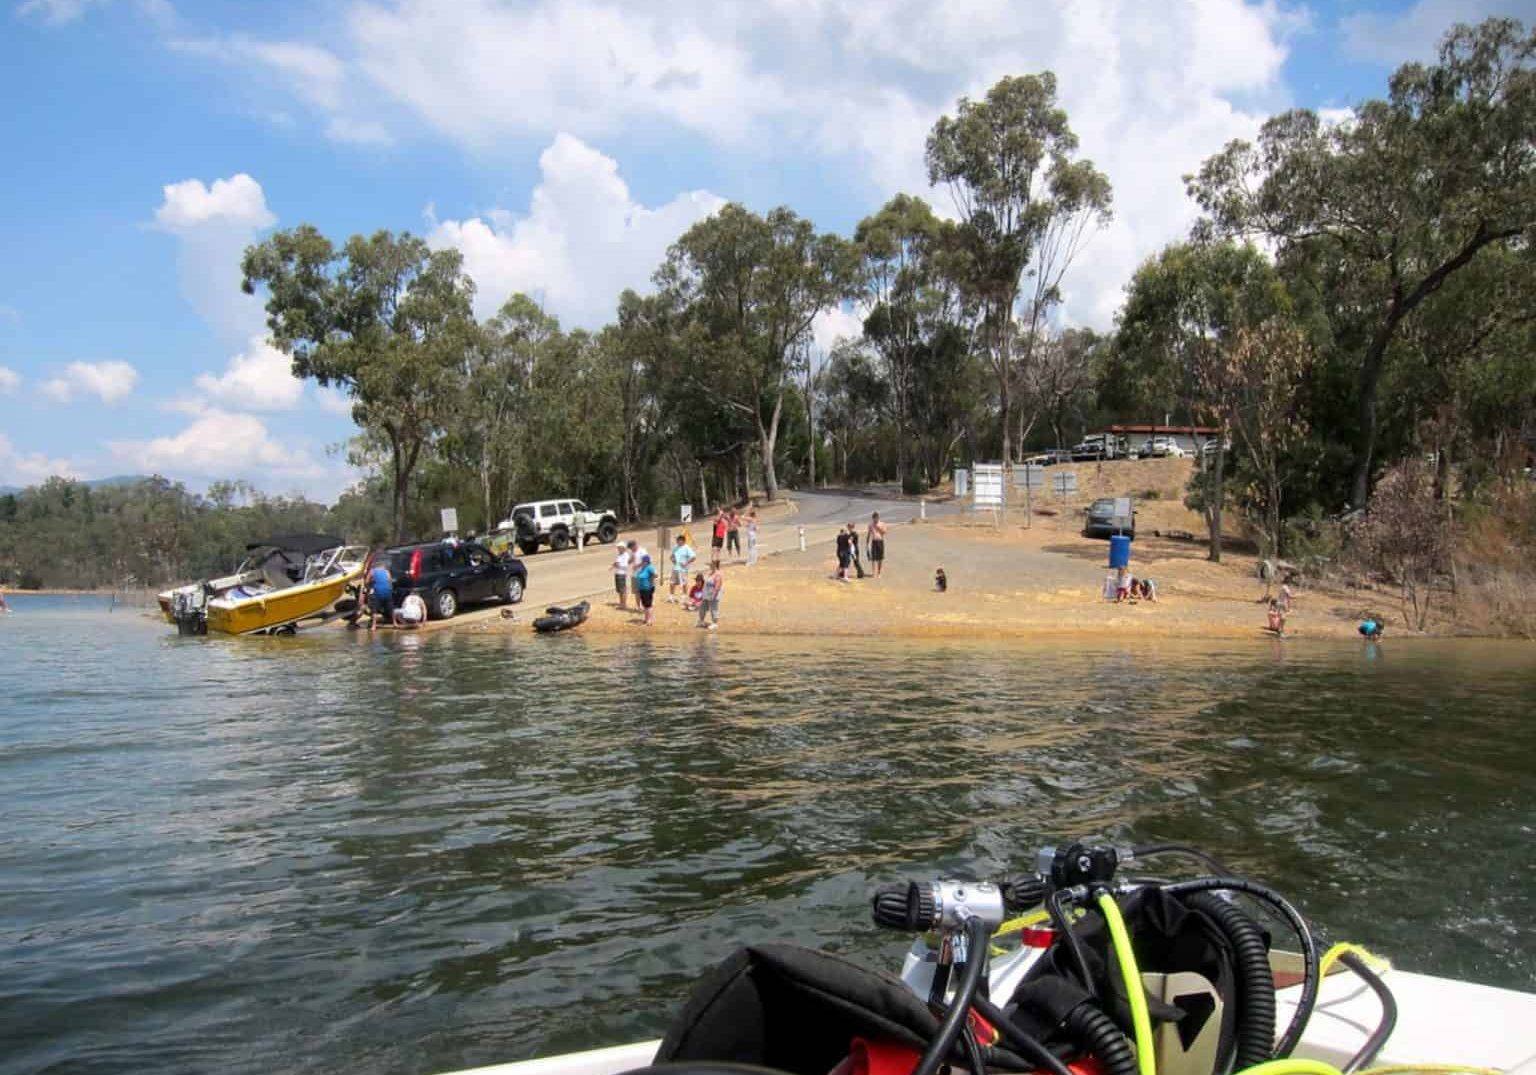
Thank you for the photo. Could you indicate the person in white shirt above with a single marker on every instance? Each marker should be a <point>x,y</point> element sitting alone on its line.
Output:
<point>411,613</point>
<point>621,566</point>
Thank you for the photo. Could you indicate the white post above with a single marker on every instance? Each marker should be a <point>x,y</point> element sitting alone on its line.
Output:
<point>802,539</point>
<point>922,509</point>
<point>581,532</point>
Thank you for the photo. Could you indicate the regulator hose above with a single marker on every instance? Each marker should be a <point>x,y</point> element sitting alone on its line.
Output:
<point>954,1019</point>
<point>1310,979</point>
<point>1388,1022</point>
<point>1146,851</point>
<point>1024,1044</point>
<point>1255,981</point>
<point>1097,1033</point>
<point>1074,946</point>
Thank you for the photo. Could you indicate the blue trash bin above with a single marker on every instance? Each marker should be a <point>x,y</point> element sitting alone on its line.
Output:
<point>1119,551</point>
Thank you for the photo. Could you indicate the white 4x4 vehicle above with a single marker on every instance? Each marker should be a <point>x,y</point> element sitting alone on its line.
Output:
<point>555,523</point>
<point>1159,447</point>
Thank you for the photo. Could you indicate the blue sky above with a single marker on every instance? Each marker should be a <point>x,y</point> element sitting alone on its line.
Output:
<point>561,144</point>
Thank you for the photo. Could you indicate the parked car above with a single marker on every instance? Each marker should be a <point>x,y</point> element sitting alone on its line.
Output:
<point>1088,450</point>
<point>1160,447</point>
<point>1049,459</point>
<point>554,523</point>
<point>448,575</point>
<point>1213,447</point>
<point>1101,521</point>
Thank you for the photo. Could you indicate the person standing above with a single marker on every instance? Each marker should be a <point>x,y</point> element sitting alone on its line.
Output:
<point>621,565</point>
<point>709,600</point>
<point>751,537</point>
<point>853,548</point>
<point>876,542</point>
<point>844,557</point>
<point>645,587</point>
<point>682,557</point>
<point>733,532</point>
<point>717,538</point>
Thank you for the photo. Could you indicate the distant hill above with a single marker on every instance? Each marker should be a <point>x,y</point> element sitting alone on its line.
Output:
<point>96,483</point>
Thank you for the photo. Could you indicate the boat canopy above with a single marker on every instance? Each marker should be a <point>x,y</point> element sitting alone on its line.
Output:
<point>308,544</point>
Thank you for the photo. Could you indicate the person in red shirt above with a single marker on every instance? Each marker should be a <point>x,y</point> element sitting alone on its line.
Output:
<point>717,538</point>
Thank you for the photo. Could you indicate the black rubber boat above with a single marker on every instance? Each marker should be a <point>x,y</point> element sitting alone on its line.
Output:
<point>561,619</point>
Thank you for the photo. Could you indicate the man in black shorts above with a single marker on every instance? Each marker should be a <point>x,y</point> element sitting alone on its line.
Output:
<point>875,542</point>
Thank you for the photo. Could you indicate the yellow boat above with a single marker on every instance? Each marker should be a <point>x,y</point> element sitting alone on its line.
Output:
<point>286,580</point>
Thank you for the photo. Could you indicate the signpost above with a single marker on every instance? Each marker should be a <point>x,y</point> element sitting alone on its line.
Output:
<point>450,520</point>
<point>686,511</point>
<point>1064,483</point>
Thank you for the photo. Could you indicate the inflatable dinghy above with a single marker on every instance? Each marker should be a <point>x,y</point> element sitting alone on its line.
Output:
<point>561,619</point>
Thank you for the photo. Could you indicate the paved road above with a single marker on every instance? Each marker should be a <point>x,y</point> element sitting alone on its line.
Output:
<point>561,578</point>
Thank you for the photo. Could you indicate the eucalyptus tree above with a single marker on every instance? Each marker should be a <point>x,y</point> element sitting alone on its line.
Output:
<point>1026,206</point>
<point>385,318</point>
<point>1408,191</point>
<point>1184,309</point>
<point>897,245</point>
<point>752,285</point>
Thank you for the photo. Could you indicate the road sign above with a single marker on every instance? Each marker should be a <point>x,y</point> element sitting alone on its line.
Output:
<point>988,485</point>
<point>1064,482</point>
<point>450,520</point>
<point>1029,476</point>
<point>686,511</point>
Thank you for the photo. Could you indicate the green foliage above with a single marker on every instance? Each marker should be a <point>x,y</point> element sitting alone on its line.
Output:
<point>387,319</point>
<point>63,533</point>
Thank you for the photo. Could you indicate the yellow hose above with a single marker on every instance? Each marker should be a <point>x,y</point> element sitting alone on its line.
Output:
<point>1370,959</point>
<point>1146,1059</point>
<point>1293,1065</point>
<point>1429,1069</point>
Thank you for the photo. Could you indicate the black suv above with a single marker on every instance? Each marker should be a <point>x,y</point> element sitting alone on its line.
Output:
<point>447,574</point>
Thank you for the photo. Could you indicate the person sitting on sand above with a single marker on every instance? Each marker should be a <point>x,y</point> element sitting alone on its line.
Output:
<point>1276,618</point>
<point>940,581</point>
<point>1147,589</point>
<point>1124,580</point>
<point>695,593</point>
<point>411,613</point>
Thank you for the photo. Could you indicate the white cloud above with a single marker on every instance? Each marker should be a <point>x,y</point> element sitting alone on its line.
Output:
<point>110,382</point>
<point>333,401</point>
<point>9,315</point>
<point>56,12</point>
<point>842,90</point>
<point>10,380</point>
<point>32,468</point>
<point>846,87</point>
<point>583,240</point>
<point>218,444</point>
<point>358,132</point>
<point>259,379</point>
<point>1393,39</point>
<point>312,73</point>
<point>234,202</point>
<point>478,69</point>
<point>836,324</point>
<point>213,224</point>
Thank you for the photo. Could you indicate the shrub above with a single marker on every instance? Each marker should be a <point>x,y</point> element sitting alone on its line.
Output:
<point>1407,536</point>
<point>914,485</point>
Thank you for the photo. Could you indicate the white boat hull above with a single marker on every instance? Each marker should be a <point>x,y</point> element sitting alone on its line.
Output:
<point>1439,1021</point>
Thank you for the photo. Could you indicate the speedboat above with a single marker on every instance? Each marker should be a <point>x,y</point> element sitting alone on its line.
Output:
<point>284,581</point>
<point>1077,969</point>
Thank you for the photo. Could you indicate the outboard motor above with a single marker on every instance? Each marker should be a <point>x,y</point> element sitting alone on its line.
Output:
<point>189,608</point>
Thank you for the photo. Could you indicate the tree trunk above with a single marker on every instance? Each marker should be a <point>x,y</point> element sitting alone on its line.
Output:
<point>1216,494</point>
<point>768,437</point>
<point>810,428</point>
<point>703,494</point>
<point>489,520</point>
<point>1370,379</point>
<point>1007,412</point>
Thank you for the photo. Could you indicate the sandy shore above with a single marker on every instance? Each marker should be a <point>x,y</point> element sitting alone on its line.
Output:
<point>1005,580</point>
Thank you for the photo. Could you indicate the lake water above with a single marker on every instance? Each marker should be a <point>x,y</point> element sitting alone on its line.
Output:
<point>404,854</point>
